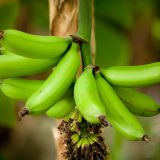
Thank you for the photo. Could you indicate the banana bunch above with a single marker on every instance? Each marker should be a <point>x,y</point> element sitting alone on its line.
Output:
<point>81,138</point>
<point>24,54</point>
<point>98,94</point>
<point>121,100</point>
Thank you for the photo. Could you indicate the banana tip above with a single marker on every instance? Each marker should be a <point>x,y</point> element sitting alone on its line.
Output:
<point>146,138</point>
<point>1,34</point>
<point>103,121</point>
<point>22,113</point>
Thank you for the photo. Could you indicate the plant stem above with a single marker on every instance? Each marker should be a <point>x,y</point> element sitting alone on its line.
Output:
<point>86,54</point>
<point>84,20</point>
<point>84,30</point>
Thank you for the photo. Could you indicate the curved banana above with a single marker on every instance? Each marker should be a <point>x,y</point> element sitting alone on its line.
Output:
<point>34,46</point>
<point>137,102</point>
<point>62,108</point>
<point>133,76</point>
<point>117,114</point>
<point>15,66</point>
<point>87,99</point>
<point>19,88</point>
<point>57,83</point>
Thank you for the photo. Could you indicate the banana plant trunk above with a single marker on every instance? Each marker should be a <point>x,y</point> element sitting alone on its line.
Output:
<point>63,15</point>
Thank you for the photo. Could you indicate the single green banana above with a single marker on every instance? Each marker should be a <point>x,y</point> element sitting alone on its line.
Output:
<point>15,66</point>
<point>19,88</point>
<point>87,98</point>
<point>133,76</point>
<point>34,46</point>
<point>62,108</point>
<point>137,102</point>
<point>117,114</point>
<point>57,83</point>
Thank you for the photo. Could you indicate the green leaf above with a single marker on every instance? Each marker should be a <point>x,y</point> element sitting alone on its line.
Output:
<point>118,11</point>
<point>38,9</point>
<point>7,111</point>
<point>156,29</point>
<point>112,48</point>
<point>8,13</point>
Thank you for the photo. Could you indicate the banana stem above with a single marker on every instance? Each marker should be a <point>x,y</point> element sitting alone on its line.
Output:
<point>84,30</point>
<point>86,54</point>
<point>84,20</point>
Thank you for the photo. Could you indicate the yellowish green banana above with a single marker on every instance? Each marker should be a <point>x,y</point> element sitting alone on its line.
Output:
<point>19,88</point>
<point>16,66</point>
<point>117,114</point>
<point>137,102</point>
<point>56,84</point>
<point>133,76</point>
<point>34,46</point>
<point>62,108</point>
<point>87,99</point>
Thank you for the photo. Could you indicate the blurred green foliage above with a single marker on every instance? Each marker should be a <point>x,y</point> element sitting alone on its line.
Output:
<point>7,111</point>
<point>8,13</point>
<point>112,46</point>
<point>117,11</point>
<point>38,11</point>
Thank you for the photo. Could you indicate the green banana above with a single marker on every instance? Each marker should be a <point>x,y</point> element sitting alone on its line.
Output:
<point>34,46</point>
<point>15,66</point>
<point>62,108</point>
<point>19,88</point>
<point>133,76</point>
<point>87,98</point>
<point>117,114</point>
<point>57,83</point>
<point>4,51</point>
<point>137,102</point>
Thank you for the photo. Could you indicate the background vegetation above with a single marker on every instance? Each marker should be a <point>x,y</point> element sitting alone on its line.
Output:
<point>127,33</point>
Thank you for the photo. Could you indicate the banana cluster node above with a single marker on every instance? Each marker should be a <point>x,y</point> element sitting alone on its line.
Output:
<point>77,39</point>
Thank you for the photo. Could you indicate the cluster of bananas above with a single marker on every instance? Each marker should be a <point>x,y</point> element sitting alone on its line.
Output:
<point>82,140</point>
<point>97,93</point>
<point>24,54</point>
